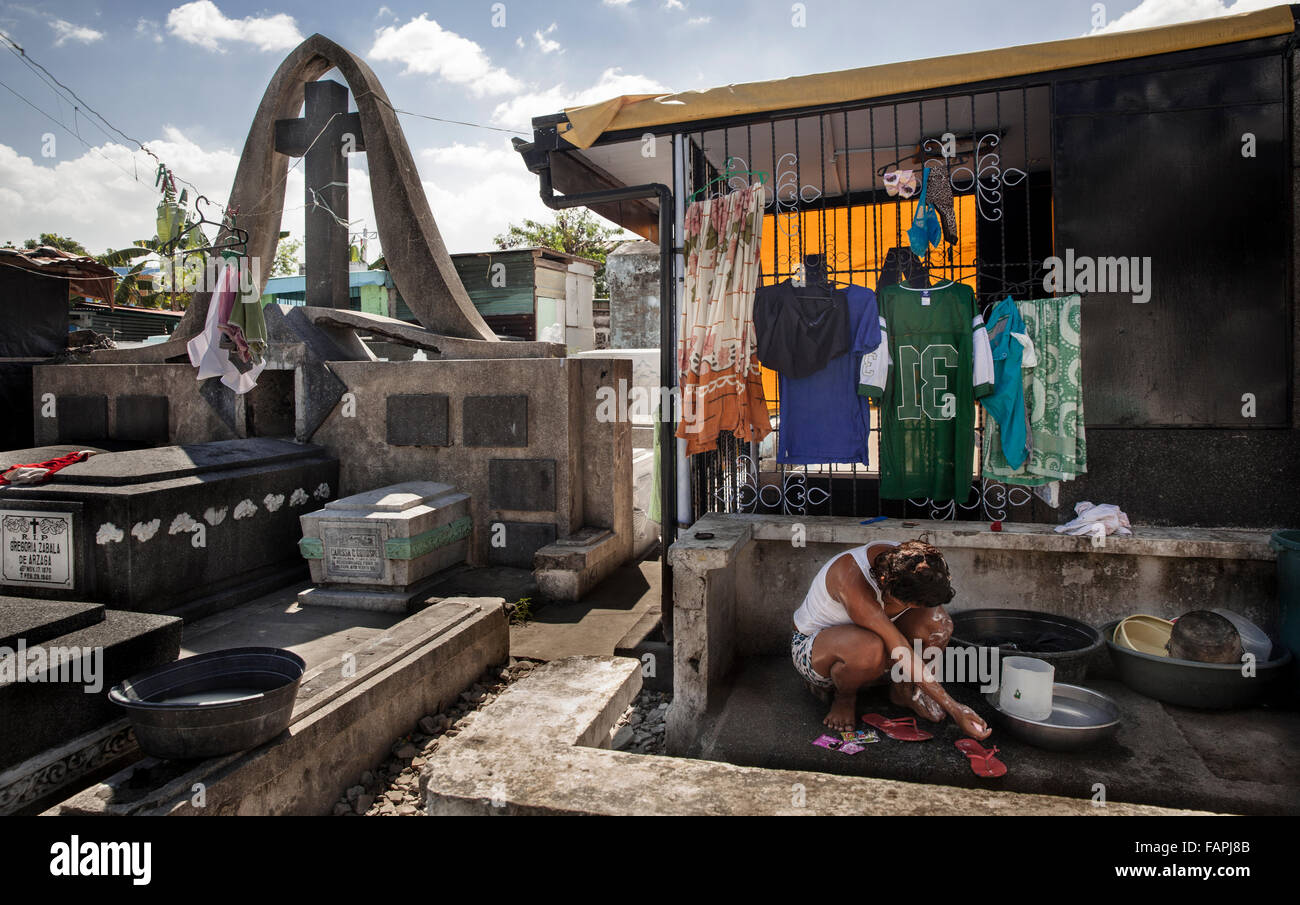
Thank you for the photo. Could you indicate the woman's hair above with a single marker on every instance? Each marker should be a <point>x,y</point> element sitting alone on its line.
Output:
<point>914,572</point>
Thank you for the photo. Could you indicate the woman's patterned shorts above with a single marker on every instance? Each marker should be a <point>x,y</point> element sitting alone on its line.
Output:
<point>801,646</point>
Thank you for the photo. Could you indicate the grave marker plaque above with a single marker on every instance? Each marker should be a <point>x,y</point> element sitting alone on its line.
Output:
<point>352,551</point>
<point>37,549</point>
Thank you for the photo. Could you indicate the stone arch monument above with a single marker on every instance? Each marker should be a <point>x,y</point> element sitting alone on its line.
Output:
<point>413,246</point>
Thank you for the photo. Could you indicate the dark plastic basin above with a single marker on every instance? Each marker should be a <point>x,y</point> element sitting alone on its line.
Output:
<point>212,704</point>
<point>1063,642</point>
<point>1187,683</point>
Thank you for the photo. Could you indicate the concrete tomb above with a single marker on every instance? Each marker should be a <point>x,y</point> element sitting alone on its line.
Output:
<point>182,529</point>
<point>377,550</point>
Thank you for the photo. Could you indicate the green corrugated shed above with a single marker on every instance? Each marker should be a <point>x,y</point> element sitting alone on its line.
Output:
<point>498,282</point>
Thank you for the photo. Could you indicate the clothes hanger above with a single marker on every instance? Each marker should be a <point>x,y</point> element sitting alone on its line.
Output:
<point>921,157</point>
<point>236,238</point>
<point>811,274</point>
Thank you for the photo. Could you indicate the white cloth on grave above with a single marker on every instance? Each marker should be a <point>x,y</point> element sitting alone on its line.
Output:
<point>205,349</point>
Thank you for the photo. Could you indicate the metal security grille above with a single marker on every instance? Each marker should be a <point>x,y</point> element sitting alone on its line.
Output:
<point>827,196</point>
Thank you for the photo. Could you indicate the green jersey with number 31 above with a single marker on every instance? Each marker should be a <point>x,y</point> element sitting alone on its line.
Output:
<point>932,363</point>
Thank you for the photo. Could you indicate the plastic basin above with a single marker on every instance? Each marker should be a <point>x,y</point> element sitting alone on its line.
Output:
<point>1065,643</point>
<point>212,704</point>
<point>1187,683</point>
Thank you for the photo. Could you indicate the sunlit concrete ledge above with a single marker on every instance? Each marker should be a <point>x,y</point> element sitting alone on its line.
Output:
<point>347,714</point>
<point>1213,543</point>
<point>542,748</point>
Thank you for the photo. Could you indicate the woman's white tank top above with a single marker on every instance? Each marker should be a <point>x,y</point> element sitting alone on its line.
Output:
<point>819,609</point>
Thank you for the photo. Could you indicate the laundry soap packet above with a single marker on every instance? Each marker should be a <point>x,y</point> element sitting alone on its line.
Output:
<point>860,736</point>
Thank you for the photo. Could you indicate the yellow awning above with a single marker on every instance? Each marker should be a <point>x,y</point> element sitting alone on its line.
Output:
<point>645,111</point>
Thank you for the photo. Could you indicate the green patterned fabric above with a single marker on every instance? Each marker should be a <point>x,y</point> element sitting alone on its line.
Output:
<point>1053,397</point>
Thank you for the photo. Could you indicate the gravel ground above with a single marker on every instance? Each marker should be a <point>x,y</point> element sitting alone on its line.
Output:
<point>641,727</point>
<point>393,790</point>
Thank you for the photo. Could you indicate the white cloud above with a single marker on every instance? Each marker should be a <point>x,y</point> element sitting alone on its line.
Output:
<point>94,196</point>
<point>65,31</point>
<point>674,4</point>
<point>1151,13</point>
<point>519,111</point>
<point>616,2</point>
<point>545,44</point>
<point>425,47</point>
<point>147,28</point>
<point>699,20</point>
<point>477,191</point>
<point>519,42</point>
<point>202,23</point>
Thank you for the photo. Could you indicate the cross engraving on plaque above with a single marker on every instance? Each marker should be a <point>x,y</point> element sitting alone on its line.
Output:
<point>325,135</point>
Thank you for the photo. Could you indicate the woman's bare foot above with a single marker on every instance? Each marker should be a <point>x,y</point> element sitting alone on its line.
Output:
<point>843,715</point>
<point>909,695</point>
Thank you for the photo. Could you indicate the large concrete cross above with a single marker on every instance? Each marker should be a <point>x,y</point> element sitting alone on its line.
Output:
<point>325,135</point>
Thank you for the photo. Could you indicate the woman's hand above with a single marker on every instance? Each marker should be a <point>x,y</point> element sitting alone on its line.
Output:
<point>970,723</point>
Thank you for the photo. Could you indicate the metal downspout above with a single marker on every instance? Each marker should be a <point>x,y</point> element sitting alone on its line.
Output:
<point>667,363</point>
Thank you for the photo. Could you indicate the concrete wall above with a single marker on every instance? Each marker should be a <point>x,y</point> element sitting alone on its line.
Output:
<point>735,593</point>
<point>98,388</point>
<point>591,460</point>
<point>542,410</point>
<point>632,273</point>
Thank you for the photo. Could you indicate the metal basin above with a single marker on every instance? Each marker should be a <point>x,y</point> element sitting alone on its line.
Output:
<point>212,704</point>
<point>1080,717</point>
<point>1187,683</point>
<point>1065,643</point>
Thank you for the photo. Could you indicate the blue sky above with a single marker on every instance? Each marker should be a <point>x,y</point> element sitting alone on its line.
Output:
<point>186,78</point>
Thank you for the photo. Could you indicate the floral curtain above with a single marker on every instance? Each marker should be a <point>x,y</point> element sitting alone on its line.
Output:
<point>718,370</point>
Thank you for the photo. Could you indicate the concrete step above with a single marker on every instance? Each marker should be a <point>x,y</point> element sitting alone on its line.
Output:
<point>48,706</point>
<point>36,621</point>
<point>569,568</point>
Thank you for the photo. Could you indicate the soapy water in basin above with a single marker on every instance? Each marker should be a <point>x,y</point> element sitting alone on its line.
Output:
<point>213,696</point>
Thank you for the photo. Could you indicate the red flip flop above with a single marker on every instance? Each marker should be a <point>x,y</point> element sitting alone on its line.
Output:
<point>981,761</point>
<point>901,730</point>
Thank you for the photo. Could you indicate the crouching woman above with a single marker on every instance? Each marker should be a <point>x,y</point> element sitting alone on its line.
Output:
<point>860,619</point>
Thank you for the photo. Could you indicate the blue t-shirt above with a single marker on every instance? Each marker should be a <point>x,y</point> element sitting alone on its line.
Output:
<point>823,419</point>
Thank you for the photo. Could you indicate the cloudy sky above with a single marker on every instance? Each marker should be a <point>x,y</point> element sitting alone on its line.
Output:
<point>186,78</point>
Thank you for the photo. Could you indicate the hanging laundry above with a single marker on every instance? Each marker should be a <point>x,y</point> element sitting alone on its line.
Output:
<point>900,183</point>
<point>925,229</point>
<point>247,318</point>
<point>823,419</point>
<point>940,198</point>
<point>1054,401</point>
<point>800,328</point>
<point>205,349</point>
<point>718,370</point>
<point>1012,351</point>
<point>901,265</point>
<point>933,362</point>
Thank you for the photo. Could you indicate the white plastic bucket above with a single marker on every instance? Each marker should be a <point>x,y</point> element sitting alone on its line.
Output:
<point>1026,689</point>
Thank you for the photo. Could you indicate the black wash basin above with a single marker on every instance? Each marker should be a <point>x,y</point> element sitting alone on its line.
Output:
<point>212,704</point>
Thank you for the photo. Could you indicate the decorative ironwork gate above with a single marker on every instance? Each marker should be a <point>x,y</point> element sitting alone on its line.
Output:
<point>827,196</point>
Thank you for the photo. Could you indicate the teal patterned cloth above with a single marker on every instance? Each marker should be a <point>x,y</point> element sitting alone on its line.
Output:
<point>1054,397</point>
